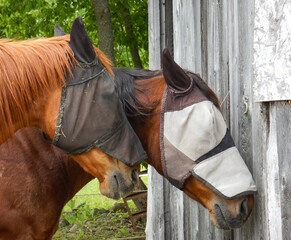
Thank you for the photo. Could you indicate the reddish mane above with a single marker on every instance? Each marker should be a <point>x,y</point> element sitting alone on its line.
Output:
<point>29,69</point>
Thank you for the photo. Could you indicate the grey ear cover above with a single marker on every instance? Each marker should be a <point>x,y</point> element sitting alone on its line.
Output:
<point>174,75</point>
<point>59,31</point>
<point>80,42</point>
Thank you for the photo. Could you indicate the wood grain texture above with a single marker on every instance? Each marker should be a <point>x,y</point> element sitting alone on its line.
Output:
<point>155,228</point>
<point>272,45</point>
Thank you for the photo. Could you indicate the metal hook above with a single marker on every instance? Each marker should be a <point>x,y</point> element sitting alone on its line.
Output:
<point>245,100</point>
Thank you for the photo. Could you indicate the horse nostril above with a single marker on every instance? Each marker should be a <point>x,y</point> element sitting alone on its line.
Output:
<point>134,175</point>
<point>244,209</point>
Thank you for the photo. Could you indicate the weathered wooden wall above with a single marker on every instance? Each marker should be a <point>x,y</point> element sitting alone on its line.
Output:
<point>216,39</point>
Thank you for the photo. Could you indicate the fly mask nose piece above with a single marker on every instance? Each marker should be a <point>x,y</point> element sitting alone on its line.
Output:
<point>200,143</point>
<point>91,113</point>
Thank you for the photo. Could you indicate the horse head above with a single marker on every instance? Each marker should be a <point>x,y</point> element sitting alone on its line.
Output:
<point>187,141</point>
<point>63,86</point>
<point>92,125</point>
<point>197,151</point>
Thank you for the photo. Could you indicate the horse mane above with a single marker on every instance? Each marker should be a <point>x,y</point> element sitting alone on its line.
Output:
<point>28,70</point>
<point>104,60</point>
<point>126,79</point>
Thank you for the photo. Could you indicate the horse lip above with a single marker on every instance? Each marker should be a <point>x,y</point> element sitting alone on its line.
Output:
<point>116,196</point>
<point>120,187</point>
<point>116,188</point>
<point>221,221</point>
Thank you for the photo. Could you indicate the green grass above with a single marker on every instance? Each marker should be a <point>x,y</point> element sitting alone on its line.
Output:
<point>91,195</point>
<point>89,217</point>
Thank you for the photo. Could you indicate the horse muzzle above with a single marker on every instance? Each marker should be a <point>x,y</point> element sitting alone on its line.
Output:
<point>229,215</point>
<point>118,185</point>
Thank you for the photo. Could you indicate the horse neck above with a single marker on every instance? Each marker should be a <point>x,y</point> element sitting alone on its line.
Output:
<point>42,114</point>
<point>76,175</point>
<point>30,75</point>
<point>148,128</point>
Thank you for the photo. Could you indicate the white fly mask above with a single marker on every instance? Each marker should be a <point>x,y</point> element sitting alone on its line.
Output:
<point>195,139</point>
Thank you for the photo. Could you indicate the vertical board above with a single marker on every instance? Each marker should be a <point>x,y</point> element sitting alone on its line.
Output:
<point>283,130</point>
<point>187,52</point>
<point>189,58</point>
<point>155,212</point>
<point>154,35</point>
<point>273,200</point>
<point>214,48</point>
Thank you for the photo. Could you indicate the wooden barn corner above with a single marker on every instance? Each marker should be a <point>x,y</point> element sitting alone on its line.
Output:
<point>242,49</point>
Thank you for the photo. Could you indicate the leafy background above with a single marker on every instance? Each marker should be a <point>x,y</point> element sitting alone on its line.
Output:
<point>36,18</point>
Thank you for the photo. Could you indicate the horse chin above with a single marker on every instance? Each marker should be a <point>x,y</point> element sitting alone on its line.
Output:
<point>116,185</point>
<point>110,193</point>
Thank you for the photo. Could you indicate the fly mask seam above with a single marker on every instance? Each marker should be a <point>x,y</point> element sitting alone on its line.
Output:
<point>164,163</point>
<point>58,131</point>
<point>88,79</point>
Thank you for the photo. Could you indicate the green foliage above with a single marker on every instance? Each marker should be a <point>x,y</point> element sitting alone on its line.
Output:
<point>36,18</point>
<point>139,19</point>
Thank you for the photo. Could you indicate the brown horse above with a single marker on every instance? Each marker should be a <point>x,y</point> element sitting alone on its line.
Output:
<point>33,73</point>
<point>34,194</point>
<point>144,94</point>
<point>36,180</point>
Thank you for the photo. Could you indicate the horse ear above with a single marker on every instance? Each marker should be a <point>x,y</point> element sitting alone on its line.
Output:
<point>58,31</point>
<point>174,75</point>
<point>80,42</point>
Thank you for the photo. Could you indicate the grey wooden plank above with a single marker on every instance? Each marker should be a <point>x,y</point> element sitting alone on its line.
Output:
<point>155,227</point>
<point>214,46</point>
<point>187,40</point>
<point>154,34</point>
<point>185,49</point>
<point>283,125</point>
<point>260,132</point>
<point>244,12</point>
<point>155,204</point>
<point>187,52</point>
<point>240,76</point>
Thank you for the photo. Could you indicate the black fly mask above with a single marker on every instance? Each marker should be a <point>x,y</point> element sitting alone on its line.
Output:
<point>91,113</point>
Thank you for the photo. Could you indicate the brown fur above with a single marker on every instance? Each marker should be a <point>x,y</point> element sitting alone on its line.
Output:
<point>36,179</point>
<point>32,75</point>
<point>30,70</point>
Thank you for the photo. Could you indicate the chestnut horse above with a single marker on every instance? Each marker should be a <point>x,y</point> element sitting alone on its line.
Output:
<point>37,179</point>
<point>33,73</point>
